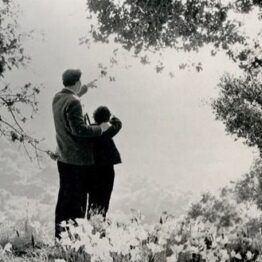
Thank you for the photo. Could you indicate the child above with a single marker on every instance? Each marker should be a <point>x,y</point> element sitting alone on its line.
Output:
<point>106,156</point>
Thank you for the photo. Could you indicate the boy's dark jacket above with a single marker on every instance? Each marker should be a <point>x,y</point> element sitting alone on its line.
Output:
<point>105,150</point>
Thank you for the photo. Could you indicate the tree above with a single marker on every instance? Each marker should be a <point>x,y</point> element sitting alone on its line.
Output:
<point>233,207</point>
<point>238,203</point>
<point>11,49</point>
<point>239,106</point>
<point>218,210</point>
<point>246,6</point>
<point>154,24</point>
<point>249,187</point>
<point>13,100</point>
<point>187,25</point>
<point>144,26</point>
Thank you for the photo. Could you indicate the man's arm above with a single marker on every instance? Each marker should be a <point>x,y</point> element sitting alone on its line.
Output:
<point>115,127</point>
<point>77,124</point>
<point>85,88</point>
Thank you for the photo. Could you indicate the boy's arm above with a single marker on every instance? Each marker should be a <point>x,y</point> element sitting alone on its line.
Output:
<point>115,127</point>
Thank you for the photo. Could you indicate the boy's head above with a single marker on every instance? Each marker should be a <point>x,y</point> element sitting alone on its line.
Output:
<point>101,114</point>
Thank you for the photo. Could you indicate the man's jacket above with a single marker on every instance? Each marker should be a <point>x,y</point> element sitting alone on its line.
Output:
<point>105,150</point>
<point>74,137</point>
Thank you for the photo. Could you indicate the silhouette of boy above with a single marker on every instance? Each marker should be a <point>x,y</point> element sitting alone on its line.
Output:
<point>106,155</point>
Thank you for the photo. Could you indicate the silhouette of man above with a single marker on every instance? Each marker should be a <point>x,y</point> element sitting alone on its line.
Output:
<point>74,148</point>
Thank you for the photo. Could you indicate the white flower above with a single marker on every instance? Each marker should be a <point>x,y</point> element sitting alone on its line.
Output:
<point>119,3</point>
<point>77,245</point>
<point>63,224</point>
<point>211,257</point>
<point>7,248</point>
<point>224,240</point>
<point>135,254</point>
<point>182,1</point>
<point>177,248</point>
<point>249,255</point>
<point>162,241</point>
<point>238,256</point>
<point>119,239</point>
<point>178,238</point>
<point>224,255</point>
<point>173,258</point>
<point>203,254</point>
<point>154,248</point>
<point>233,253</point>
<point>193,249</point>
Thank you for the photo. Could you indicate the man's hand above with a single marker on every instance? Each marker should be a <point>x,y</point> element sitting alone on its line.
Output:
<point>53,156</point>
<point>84,88</point>
<point>104,126</point>
<point>92,84</point>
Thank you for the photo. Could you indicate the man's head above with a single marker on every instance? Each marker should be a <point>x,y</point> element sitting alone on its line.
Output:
<point>71,79</point>
<point>101,114</point>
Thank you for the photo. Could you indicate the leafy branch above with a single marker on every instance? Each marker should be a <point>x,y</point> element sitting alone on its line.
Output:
<point>13,117</point>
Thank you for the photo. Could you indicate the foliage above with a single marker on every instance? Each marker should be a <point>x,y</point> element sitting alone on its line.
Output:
<point>17,104</point>
<point>11,50</point>
<point>221,211</point>
<point>239,107</point>
<point>182,25</point>
<point>249,187</point>
<point>150,26</point>
<point>239,102</point>
<point>246,6</point>
<point>237,204</point>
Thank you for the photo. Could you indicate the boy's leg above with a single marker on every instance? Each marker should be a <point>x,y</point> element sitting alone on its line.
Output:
<point>100,192</point>
<point>110,177</point>
<point>72,195</point>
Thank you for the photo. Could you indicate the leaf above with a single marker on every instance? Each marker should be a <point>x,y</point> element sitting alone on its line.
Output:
<point>159,67</point>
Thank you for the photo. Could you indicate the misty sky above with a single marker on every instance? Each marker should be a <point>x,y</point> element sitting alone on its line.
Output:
<point>169,133</point>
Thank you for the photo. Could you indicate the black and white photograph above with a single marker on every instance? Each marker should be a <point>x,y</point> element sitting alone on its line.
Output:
<point>130,130</point>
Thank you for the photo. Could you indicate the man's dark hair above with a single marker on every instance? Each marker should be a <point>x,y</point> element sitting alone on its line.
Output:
<point>71,76</point>
<point>102,114</point>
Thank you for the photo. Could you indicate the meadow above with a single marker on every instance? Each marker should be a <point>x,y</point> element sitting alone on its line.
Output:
<point>129,238</point>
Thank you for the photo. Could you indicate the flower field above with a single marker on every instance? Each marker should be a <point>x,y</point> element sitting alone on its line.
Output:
<point>128,238</point>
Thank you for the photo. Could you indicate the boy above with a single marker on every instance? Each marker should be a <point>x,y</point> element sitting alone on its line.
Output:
<point>106,156</point>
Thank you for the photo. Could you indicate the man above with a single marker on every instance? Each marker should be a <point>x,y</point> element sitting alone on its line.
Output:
<point>75,149</point>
